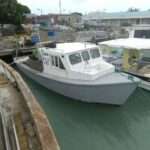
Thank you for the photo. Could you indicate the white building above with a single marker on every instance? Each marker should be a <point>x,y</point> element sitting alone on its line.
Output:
<point>119,18</point>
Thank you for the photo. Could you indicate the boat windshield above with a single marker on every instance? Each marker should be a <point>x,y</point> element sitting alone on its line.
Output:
<point>145,56</point>
<point>75,58</point>
<point>85,55</point>
<point>95,53</point>
<point>146,59</point>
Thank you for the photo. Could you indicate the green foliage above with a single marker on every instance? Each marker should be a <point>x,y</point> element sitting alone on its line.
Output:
<point>21,10</point>
<point>7,10</point>
<point>12,12</point>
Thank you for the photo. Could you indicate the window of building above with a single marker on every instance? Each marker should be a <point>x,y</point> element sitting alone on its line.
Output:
<point>95,53</point>
<point>138,21</point>
<point>75,58</point>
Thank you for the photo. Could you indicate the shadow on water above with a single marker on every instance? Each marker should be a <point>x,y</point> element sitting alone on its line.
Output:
<point>80,126</point>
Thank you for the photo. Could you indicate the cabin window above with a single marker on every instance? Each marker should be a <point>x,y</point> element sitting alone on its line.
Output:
<point>85,55</point>
<point>145,55</point>
<point>75,58</point>
<point>142,34</point>
<point>56,62</point>
<point>53,60</point>
<point>146,59</point>
<point>95,53</point>
<point>61,65</point>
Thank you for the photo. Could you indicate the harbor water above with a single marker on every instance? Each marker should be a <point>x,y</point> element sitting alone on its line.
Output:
<point>82,126</point>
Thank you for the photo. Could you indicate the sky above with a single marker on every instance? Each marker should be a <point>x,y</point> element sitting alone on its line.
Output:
<point>84,6</point>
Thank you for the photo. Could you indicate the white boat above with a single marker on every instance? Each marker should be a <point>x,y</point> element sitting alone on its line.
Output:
<point>78,71</point>
<point>133,59</point>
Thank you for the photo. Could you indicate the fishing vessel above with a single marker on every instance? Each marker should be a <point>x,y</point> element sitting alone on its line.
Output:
<point>131,55</point>
<point>23,123</point>
<point>78,71</point>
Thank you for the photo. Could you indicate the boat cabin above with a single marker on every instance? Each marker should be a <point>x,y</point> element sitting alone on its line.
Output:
<point>139,31</point>
<point>133,54</point>
<point>74,60</point>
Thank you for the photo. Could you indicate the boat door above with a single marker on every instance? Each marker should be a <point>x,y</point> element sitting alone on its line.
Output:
<point>130,59</point>
<point>46,61</point>
<point>57,66</point>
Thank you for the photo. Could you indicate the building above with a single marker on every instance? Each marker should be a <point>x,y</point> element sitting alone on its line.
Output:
<point>62,19</point>
<point>66,19</point>
<point>36,19</point>
<point>118,18</point>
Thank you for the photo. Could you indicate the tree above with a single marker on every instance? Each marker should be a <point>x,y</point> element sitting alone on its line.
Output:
<point>7,11</point>
<point>12,12</point>
<point>19,16</point>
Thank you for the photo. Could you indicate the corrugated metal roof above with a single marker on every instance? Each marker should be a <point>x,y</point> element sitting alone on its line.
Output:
<point>118,15</point>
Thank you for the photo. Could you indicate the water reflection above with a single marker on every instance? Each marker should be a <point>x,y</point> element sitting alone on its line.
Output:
<point>80,126</point>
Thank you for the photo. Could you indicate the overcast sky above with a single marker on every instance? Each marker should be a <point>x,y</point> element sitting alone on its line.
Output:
<point>84,6</point>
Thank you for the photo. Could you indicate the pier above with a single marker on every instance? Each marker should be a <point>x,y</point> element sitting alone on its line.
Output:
<point>7,52</point>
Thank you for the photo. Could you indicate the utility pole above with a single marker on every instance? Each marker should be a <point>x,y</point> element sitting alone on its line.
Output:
<point>60,6</point>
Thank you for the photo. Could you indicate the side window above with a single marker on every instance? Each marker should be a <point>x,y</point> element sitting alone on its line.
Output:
<point>61,65</point>
<point>53,60</point>
<point>75,58</point>
<point>56,62</point>
<point>95,53</point>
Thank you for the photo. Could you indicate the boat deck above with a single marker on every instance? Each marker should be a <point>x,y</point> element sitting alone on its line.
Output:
<point>34,64</point>
<point>14,113</point>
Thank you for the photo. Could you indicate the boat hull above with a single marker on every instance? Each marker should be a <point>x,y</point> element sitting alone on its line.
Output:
<point>115,94</point>
<point>145,85</point>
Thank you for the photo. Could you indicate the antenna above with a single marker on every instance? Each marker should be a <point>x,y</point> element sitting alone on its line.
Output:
<point>60,6</point>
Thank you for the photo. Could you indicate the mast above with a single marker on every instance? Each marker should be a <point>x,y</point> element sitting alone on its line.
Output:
<point>60,6</point>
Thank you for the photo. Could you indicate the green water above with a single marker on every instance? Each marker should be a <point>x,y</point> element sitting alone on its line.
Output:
<point>82,126</point>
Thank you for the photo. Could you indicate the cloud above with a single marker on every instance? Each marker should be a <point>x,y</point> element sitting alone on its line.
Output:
<point>83,6</point>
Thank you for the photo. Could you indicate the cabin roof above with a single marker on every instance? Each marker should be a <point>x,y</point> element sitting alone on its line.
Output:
<point>129,43</point>
<point>64,48</point>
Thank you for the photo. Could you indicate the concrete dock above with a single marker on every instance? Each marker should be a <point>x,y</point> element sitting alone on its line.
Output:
<point>6,52</point>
